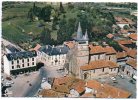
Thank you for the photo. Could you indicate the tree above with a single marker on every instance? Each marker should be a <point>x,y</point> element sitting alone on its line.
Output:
<point>126,27</point>
<point>61,9</point>
<point>30,15</point>
<point>46,13</point>
<point>45,36</point>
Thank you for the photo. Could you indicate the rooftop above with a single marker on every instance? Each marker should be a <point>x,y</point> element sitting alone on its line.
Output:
<point>110,35</point>
<point>70,44</point>
<point>58,50</point>
<point>133,36</point>
<point>123,42</point>
<point>120,20</point>
<point>109,50</point>
<point>107,91</point>
<point>12,48</point>
<point>121,55</point>
<point>51,93</point>
<point>132,53</point>
<point>99,64</point>
<point>132,63</point>
<point>21,55</point>
<point>36,48</point>
<point>96,49</point>
<point>64,84</point>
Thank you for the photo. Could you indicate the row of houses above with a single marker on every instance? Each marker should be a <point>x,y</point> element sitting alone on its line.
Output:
<point>74,87</point>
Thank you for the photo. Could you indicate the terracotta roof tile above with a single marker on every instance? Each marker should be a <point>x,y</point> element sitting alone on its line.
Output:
<point>99,64</point>
<point>132,53</point>
<point>132,63</point>
<point>133,36</point>
<point>64,84</point>
<point>106,91</point>
<point>121,54</point>
<point>96,49</point>
<point>110,36</point>
<point>70,44</point>
<point>122,42</point>
<point>36,47</point>
<point>51,93</point>
<point>109,50</point>
<point>120,20</point>
<point>93,84</point>
<point>79,86</point>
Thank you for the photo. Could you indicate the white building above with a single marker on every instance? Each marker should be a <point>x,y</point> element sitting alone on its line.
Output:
<point>131,68</point>
<point>53,56</point>
<point>14,63</point>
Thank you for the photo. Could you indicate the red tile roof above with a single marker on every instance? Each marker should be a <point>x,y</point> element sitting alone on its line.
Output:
<point>110,36</point>
<point>106,91</point>
<point>121,54</point>
<point>70,44</point>
<point>109,50</point>
<point>124,42</point>
<point>38,46</point>
<point>99,64</point>
<point>96,49</point>
<point>132,53</point>
<point>132,63</point>
<point>133,36</point>
<point>120,20</point>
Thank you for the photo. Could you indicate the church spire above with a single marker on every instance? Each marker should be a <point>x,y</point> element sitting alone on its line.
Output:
<point>79,32</point>
<point>86,35</point>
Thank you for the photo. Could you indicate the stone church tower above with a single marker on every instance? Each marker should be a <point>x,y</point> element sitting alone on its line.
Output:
<point>79,55</point>
<point>82,48</point>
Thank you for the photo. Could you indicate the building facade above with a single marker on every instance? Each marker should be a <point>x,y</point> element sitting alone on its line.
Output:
<point>19,62</point>
<point>53,56</point>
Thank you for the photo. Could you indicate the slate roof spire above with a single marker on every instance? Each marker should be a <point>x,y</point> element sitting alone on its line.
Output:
<point>86,35</point>
<point>79,32</point>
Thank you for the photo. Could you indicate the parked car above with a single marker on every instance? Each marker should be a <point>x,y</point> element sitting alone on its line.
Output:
<point>8,83</point>
<point>122,76</point>
<point>113,78</point>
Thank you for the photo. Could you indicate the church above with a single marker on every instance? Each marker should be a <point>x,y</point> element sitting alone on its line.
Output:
<point>87,61</point>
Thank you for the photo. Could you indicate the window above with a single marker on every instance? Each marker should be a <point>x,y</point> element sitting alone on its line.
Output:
<point>28,60</point>
<point>32,59</point>
<point>12,62</point>
<point>111,69</point>
<point>32,63</point>
<point>98,56</point>
<point>22,65</point>
<point>109,57</point>
<point>23,60</point>
<point>18,66</point>
<point>93,71</point>
<point>114,69</point>
<point>28,64</point>
<point>12,67</point>
<point>86,75</point>
<point>17,61</point>
<point>103,69</point>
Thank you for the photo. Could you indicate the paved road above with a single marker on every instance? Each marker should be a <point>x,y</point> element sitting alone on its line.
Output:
<point>6,42</point>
